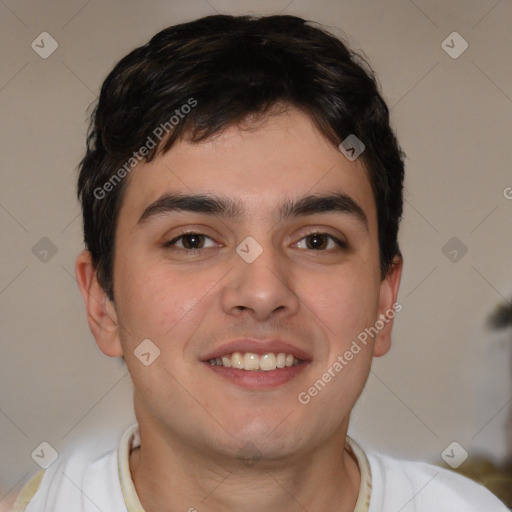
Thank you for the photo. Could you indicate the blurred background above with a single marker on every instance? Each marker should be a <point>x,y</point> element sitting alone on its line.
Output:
<point>443,393</point>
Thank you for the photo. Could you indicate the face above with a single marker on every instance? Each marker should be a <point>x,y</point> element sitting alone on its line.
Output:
<point>252,269</point>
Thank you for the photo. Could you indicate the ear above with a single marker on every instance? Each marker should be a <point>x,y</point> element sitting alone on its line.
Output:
<point>388,306</point>
<point>101,313</point>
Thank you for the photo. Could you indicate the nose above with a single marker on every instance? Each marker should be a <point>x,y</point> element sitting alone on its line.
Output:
<point>262,288</point>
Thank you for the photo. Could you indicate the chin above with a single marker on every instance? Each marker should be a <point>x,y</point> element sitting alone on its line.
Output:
<point>261,438</point>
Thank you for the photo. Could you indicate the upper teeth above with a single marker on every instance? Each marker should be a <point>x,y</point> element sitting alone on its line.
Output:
<point>250,361</point>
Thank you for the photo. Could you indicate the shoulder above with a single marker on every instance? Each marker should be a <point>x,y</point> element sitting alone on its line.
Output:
<point>75,474</point>
<point>412,486</point>
<point>24,495</point>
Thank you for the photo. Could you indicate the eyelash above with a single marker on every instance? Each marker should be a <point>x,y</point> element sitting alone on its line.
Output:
<point>171,244</point>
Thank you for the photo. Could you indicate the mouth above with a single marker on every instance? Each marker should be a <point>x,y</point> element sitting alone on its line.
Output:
<point>257,365</point>
<point>250,361</point>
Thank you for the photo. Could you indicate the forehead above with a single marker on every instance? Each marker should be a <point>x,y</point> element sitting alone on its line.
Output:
<point>280,158</point>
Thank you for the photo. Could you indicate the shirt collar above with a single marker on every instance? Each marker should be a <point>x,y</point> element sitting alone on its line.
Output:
<point>131,440</point>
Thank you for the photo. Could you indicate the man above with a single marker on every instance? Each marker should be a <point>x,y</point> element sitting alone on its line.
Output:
<point>241,195</point>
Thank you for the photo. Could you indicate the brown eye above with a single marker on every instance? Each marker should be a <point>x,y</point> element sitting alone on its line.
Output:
<point>193,241</point>
<point>317,241</point>
<point>189,241</point>
<point>320,242</point>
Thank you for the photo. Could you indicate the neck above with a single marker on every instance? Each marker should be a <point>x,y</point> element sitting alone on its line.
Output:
<point>170,476</point>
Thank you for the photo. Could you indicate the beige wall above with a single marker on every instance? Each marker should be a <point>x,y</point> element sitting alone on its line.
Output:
<point>446,379</point>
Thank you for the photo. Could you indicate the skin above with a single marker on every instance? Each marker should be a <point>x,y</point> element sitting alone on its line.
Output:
<point>194,424</point>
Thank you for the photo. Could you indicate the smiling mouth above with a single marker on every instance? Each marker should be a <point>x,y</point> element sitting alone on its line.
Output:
<point>250,361</point>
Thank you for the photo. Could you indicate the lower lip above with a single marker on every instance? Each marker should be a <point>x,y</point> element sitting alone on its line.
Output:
<point>259,379</point>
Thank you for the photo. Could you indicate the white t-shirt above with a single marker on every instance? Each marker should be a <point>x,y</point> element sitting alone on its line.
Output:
<point>75,483</point>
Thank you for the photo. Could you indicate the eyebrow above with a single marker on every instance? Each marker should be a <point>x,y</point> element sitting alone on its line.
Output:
<point>226,207</point>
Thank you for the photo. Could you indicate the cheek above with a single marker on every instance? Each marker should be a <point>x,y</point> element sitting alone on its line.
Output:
<point>154,301</point>
<point>346,300</point>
